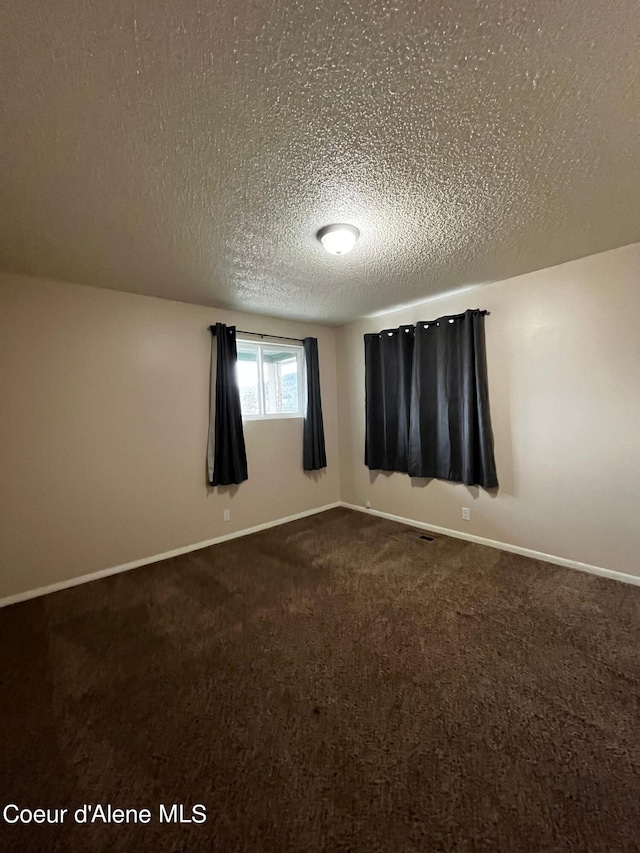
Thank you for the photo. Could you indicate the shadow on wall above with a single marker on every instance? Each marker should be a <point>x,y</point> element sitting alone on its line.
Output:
<point>316,476</point>
<point>423,482</point>
<point>503,448</point>
<point>501,387</point>
<point>231,490</point>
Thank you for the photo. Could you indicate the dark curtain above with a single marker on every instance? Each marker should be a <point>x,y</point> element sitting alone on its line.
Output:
<point>313,455</point>
<point>427,404</point>
<point>388,368</point>
<point>450,433</point>
<point>227,458</point>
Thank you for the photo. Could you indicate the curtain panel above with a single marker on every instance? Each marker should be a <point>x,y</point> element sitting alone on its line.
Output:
<point>314,456</point>
<point>388,360</point>
<point>226,454</point>
<point>444,430</point>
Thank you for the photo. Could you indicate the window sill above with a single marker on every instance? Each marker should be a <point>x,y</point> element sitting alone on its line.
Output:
<point>278,417</point>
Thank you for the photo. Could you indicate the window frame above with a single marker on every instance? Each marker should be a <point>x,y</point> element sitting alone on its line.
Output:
<point>298,351</point>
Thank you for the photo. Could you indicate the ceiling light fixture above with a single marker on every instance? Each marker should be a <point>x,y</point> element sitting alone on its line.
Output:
<point>338,239</point>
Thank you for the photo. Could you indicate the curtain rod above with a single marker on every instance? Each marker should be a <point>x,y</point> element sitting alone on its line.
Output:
<point>443,317</point>
<point>260,335</point>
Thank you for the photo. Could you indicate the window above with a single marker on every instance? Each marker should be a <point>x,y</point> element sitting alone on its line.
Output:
<point>270,380</point>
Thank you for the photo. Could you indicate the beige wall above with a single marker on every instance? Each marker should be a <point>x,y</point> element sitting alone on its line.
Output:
<point>563,351</point>
<point>104,400</point>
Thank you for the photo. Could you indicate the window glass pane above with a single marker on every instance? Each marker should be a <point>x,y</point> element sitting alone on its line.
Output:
<point>280,376</point>
<point>248,379</point>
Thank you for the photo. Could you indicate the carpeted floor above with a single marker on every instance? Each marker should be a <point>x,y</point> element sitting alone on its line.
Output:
<point>335,684</point>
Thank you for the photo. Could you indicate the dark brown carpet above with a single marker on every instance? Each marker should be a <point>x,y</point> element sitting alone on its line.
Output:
<point>336,684</point>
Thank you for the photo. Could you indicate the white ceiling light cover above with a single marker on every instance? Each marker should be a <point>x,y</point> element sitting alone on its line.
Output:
<point>338,239</point>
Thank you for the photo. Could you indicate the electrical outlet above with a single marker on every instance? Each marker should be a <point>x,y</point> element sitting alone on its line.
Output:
<point>466,513</point>
<point>227,515</point>
<point>368,504</point>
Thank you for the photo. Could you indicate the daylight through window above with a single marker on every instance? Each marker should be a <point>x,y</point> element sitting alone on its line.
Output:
<point>270,380</point>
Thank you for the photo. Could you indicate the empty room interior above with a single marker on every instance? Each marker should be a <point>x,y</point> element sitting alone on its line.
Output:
<point>320,417</point>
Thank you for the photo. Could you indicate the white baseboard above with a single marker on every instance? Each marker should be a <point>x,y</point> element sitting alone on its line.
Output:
<point>503,546</point>
<point>445,531</point>
<point>103,573</point>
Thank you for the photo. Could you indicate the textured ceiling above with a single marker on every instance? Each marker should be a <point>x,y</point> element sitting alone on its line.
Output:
<point>191,150</point>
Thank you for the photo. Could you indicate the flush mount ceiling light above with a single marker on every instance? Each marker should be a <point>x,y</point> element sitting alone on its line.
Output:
<point>338,239</point>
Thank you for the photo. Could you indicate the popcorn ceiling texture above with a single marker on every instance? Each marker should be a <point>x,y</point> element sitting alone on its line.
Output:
<point>191,150</point>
